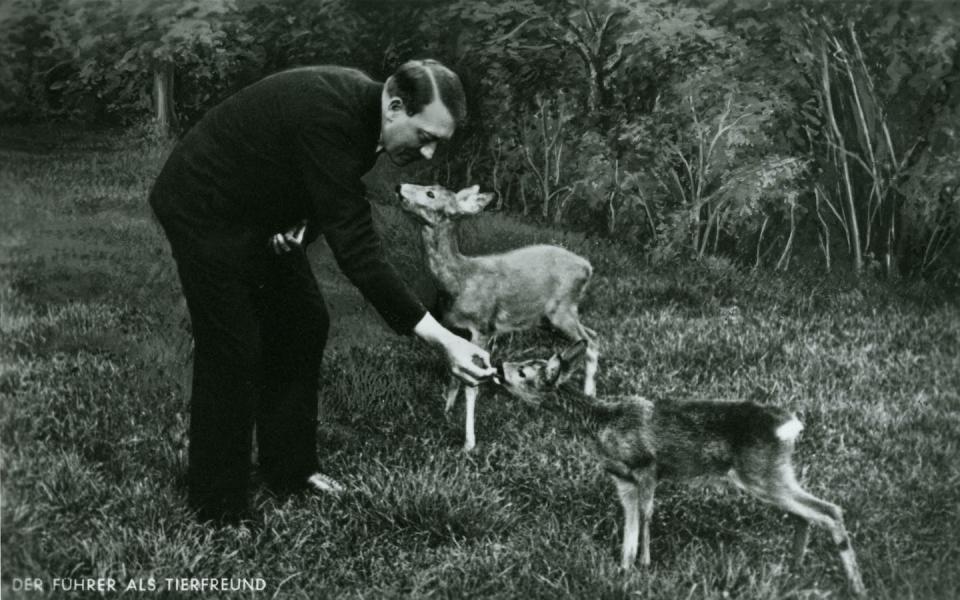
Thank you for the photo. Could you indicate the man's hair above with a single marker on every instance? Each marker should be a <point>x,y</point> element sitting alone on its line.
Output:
<point>417,82</point>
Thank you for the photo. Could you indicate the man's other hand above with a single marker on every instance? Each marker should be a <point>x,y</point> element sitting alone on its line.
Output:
<point>289,240</point>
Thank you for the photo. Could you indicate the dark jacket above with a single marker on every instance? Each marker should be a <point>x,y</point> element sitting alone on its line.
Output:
<point>292,146</point>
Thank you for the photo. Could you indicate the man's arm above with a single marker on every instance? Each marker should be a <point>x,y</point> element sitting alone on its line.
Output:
<point>360,255</point>
<point>331,170</point>
<point>343,215</point>
<point>468,362</point>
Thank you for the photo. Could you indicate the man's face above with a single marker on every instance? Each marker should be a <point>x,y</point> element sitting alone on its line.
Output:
<point>406,138</point>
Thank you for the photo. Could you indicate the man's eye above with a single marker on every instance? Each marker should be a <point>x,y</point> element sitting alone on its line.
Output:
<point>430,195</point>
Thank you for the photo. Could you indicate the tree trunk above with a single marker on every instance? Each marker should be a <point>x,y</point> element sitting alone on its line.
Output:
<point>163,109</point>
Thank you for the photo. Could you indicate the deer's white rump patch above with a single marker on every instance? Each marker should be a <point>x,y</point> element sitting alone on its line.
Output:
<point>789,430</point>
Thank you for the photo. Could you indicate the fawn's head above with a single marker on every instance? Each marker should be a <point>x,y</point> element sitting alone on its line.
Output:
<point>530,380</point>
<point>434,204</point>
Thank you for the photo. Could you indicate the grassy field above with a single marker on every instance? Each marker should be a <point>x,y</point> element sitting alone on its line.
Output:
<point>94,363</point>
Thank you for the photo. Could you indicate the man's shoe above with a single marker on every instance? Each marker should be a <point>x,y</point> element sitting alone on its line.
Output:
<point>322,484</point>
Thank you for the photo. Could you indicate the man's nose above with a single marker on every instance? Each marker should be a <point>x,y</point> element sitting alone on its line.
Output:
<point>427,150</point>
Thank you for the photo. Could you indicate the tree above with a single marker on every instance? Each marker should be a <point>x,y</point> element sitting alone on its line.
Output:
<point>99,57</point>
<point>168,33</point>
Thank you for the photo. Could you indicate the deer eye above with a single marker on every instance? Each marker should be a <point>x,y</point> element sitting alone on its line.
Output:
<point>430,194</point>
<point>522,374</point>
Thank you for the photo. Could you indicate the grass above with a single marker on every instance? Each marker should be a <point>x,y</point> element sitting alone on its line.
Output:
<point>94,363</point>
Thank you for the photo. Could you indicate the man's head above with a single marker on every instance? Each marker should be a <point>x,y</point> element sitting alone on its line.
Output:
<point>423,102</point>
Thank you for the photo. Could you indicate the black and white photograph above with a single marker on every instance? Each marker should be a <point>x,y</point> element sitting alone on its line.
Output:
<point>531,299</point>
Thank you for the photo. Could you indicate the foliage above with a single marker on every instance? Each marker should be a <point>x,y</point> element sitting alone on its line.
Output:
<point>93,402</point>
<point>867,149</point>
<point>95,57</point>
<point>303,32</point>
<point>931,208</point>
<point>600,114</point>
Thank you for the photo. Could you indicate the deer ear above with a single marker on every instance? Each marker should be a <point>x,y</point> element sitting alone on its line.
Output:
<point>554,370</point>
<point>484,199</point>
<point>568,361</point>
<point>572,353</point>
<point>465,193</point>
<point>473,203</point>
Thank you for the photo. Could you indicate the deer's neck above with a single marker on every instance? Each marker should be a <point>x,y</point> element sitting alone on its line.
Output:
<point>443,256</point>
<point>581,411</point>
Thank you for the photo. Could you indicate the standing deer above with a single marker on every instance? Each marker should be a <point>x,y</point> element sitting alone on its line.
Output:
<point>497,293</point>
<point>640,442</point>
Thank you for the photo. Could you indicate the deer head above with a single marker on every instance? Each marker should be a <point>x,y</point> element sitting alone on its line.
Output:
<point>529,379</point>
<point>434,204</point>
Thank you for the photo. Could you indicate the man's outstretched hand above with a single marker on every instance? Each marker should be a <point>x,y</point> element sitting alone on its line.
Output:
<point>468,362</point>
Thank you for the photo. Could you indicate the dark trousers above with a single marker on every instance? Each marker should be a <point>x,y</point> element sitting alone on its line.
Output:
<point>259,326</point>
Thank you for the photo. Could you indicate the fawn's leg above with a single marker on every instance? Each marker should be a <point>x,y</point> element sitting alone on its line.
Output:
<point>590,369</point>
<point>629,494</point>
<point>783,490</point>
<point>454,384</point>
<point>647,485</point>
<point>568,322</point>
<point>450,394</point>
<point>470,397</point>
<point>840,536</point>
<point>470,438</point>
<point>801,536</point>
<point>592,360</point>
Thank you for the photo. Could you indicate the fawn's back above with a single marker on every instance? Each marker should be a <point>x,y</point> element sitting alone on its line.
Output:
<point>690,439</point>
<point>640,442</point>
<point>516,289</point>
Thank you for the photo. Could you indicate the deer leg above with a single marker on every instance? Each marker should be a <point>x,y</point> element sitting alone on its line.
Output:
<point>470,440</point>
<point>568,322</point>
<point>801,536</point>
<point>647,485</point>
<point>629,494</point>
<point>784,491</point>
<point>450,394</point>
<point>590,366</point>
<point>470,396</point>
<point>833,521</point>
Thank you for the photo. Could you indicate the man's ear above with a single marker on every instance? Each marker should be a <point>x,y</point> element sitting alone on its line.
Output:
<point>395,104</point>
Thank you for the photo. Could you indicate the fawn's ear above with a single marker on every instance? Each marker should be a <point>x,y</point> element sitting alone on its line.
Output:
<point>553,372</point>
<point>484,199</point>
<point>572,353</point>
<point>471,202</point>
<point>465,193</point>
<point>567,362</point>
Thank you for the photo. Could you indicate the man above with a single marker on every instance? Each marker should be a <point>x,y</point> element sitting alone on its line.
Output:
<point>266,171</point>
